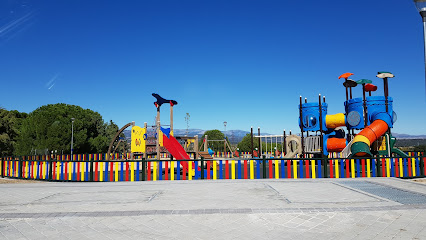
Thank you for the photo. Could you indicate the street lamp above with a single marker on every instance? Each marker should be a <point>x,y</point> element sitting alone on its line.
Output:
<point>224,124</point>
<point>421,7</point>
<point>72,135</point>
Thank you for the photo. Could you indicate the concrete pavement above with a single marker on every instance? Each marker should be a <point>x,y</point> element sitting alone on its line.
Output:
<point>373,208</point>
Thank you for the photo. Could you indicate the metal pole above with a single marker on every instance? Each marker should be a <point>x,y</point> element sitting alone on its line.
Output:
<point>72,137</point>
<point>260,142</point>
<point>284,144</point>
<point>301,125</point>
<point>364,104</point>
<point>171,117</point>
<point>423,14</point>
<point>157,145</point>
<point>252,143</point>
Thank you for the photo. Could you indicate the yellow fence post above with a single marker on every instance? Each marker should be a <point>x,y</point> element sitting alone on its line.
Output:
<point>251,169</point>
<point>277,171</point>
<point>295,169</point>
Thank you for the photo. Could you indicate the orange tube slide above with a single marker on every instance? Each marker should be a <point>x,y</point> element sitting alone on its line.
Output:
<point>374,130</point>
<point>364,139</point>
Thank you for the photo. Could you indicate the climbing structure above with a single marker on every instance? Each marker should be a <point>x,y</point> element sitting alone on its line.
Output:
<point>373,116</point>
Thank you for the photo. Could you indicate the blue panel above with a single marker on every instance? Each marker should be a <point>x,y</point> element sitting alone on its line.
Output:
<point>197,174</point>
<point>301,169</point>
<point>87,171</point>
<point>62,170</point>
<point>258,169</point>
<point>107,172</point>
<point>220,170</point>
<point>121,172</point>
<point>74,174</point>
<point>417,161</point>
<point>405,162</point>
<point>319,170</point>
<point>342,169</point>
<point>160,170</point>
<point>376,105</point>
<point>358,167</point>
<point>239,169</point>
<point>354,109</point>
<point>392,169</point>
<point>47,169</point>
<point>282,169</point>
<point>137,171</point>
<point>310,116</point>
<point>373,167</point>
<point>178,170</point>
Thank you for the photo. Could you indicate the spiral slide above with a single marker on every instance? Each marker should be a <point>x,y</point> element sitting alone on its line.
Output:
<point>363,140</point>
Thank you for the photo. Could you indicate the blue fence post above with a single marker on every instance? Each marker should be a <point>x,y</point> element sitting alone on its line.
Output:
<point>358,167</point>
<point>373,167</point>
<point>282,169</point>
<point>178,170</point>
<point>239,169</point>
<point>405,163</point>
<point>62,169</point>
<point>418,171</point>
<point>87,170</point>
<point>137,171</point>
<point>220,169</point>
<point>258,169</point>
<point>121,171</point>
<point>74,174</point>
<point>301,173</point>
<point>319,170</point>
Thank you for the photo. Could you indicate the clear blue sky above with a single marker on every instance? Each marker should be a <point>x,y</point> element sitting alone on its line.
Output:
<point>245,62</point>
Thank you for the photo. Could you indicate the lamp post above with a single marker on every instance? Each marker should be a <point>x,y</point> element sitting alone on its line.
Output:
<point>72,136</point>
<point>224,124</point>
<point>421,7</point>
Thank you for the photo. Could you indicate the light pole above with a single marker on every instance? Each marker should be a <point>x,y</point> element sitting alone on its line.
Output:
<point>224,124</point>
<point>72,135</point>
<point>421,7</point>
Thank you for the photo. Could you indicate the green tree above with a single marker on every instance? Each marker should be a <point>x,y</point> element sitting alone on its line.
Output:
<point>214,135</point>
<point>245,144</point>
<point>9,130</point>
<point>49,127</point>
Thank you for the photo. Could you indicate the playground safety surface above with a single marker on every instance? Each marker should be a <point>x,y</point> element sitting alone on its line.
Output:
<point>363,208</point>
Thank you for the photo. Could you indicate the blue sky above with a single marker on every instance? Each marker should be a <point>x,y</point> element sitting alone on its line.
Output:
<point>244,62</point>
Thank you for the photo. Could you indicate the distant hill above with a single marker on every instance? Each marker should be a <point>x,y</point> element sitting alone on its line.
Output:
<point>405,136</point>
<point>235,136</point>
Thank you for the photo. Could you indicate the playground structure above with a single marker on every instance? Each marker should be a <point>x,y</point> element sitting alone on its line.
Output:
<point>290,145</point>
<point>178,147</point>
<point>373,115</point>
<point>209,151</point>
<point>324,149</point>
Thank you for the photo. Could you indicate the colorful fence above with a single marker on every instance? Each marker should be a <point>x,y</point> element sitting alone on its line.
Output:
<point>93,167</point>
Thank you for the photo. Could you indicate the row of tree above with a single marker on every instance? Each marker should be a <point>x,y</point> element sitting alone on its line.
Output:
<point>50,127</point>
<point>244,145</point>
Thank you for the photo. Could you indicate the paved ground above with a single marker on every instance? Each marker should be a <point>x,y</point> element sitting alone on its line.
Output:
<point>380,208</point>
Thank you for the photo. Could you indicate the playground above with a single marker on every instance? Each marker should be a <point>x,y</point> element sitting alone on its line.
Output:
<point>356,143</point>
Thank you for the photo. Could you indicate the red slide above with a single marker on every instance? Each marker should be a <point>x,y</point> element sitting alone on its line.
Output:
<point>175,149</point>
